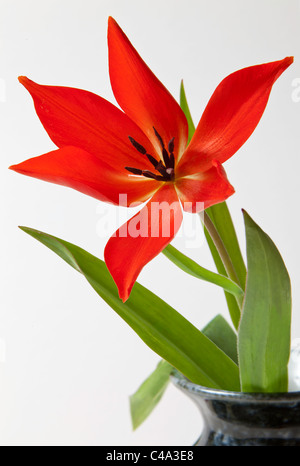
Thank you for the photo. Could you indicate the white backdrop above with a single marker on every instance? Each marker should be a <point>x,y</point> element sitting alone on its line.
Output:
<point>68,363</point>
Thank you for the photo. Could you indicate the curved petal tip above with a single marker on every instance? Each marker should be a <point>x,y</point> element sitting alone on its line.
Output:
<point>23,79</point>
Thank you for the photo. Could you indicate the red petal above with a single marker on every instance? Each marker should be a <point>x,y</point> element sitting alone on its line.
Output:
<point>231,115</point>
<point>141,95</point>
<point>143,237</point>
<point>74,117</point>
<point>86,173</point>
<point>198,192</point>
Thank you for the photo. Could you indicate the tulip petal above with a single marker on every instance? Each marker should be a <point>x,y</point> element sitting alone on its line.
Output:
<point>77,169</point>
<point>231,115</point>
<point>141,95</point>
<point>74,117</point>
<point>143,237</point>
<point>200,191</point>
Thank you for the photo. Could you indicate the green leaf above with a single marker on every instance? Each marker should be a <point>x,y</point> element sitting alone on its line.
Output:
<point>221,333</point>
<point>186,111</point>
<point>148,395</point>
<point>232,303</point>
<point>162,328</point>
<point>264,332</point>
<point>220,216</point>
<point>191,267</point>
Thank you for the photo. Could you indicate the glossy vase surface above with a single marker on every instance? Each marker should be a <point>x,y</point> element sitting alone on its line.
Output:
<point>244,419</point>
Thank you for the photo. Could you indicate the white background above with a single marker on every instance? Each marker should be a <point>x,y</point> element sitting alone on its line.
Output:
<point>68,363</point>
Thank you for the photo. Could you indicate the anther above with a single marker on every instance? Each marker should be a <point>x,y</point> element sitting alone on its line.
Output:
<point>159,138</point>
<point>164,151</point>
<point>161,168</point>
<point>149,174</point>
<point>171,152</point>
<point>172,160</point>
<point>135,171</point>
<point>166,157</point>
<point>137,146</point>
<point>164,167</point>
<point>152,160</point>
<point>171,146</point>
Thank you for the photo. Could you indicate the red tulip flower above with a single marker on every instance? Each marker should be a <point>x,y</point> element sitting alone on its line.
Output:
<point>142,151</point>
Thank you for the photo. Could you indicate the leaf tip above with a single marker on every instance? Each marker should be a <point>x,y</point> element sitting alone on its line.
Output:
<point>27,230</point>
<point>246,216</point>
<point>23,228</point>
<point>134,421</point>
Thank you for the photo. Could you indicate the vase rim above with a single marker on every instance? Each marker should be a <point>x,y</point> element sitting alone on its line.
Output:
<point>183,383</point>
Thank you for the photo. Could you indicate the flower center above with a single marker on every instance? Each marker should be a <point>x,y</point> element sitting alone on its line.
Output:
<point>164,168</point>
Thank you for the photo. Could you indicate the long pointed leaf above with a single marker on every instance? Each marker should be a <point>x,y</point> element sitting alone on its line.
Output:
<point>264,332</point>
<point>232,304</point>
<point>162,328</point>
<point>148,395</point>
<point>220,216</point>
<point>221,333</point>
<point>186,110</point>
<point>191,267</point>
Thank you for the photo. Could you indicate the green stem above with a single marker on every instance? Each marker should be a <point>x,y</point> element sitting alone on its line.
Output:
<point>221,250</point>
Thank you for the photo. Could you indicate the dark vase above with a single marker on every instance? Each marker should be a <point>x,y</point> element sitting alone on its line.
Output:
<point>244,419</point>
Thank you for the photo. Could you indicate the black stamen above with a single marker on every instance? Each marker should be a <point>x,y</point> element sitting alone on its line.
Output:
<point>161,168</point>
<point>152,160</point>
<point>172,160</point>
<point>165,166</point>
<point>166,157</point>
<point>171,146</point>
<point>137,146</point>
<point>171,152</point>
<point>149,174</point>
<point>135,171</point>
<point>159,138</point>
